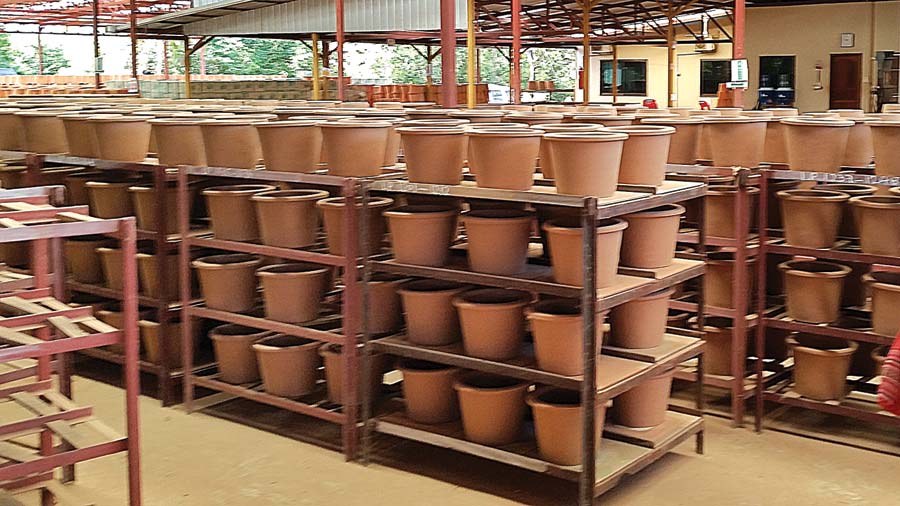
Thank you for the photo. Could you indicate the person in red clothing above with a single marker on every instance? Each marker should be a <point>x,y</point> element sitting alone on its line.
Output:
<point>889,389</point>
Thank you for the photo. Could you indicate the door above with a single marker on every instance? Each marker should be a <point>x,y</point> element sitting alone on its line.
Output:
<point>845,81</point>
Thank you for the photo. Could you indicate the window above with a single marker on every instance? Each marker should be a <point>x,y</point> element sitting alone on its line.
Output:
<point>713,72</point>
<point>631,77</point>
<point>776,72</point>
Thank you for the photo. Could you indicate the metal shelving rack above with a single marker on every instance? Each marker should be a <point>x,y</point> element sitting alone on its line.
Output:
<point>340,327</point>
<point>623,451</point>
<point>860,403</point>
<point>33,303</point>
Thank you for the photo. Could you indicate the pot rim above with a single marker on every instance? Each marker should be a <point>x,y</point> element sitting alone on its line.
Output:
<point>595,116</point>
<point>476,131</point>
<point>837,271</point>
<point>733,119</point>
<point>895,191</point>
<point>817,122</point>
<point>299,195</point>
<point>248,261</point>
<point>409,212</point>
<point>887,202</point>
<point>572,114</point>
<point>309,269</point>
<point>434,122</point>
<point>588,136</point>
<point>680,120</point>
<point>879,354</point>
<point>180,121</point>
<point>215,335</point>
<point>852,189</point>
<point>431,130</point>
<point>535,311</point>
<point>338,202</point>
<point>884,122</point>
<point>664,293</point>
<point>728,189</point>
<point>238,189</point>
<point>643,130</point>
<point>117,119</point>
<point>663,211</point>
<point>261,346</point>
<point>534,400</point>
<point>449,287</point>
<point>851,348</point>
<point>567,127</point>
<point>316,118</point>
<point>535,115</point>
<point>478,113</point>
<point>214,123</point>
<point>492,215</point>
<point>404,367</point>
<point>428,111</point>
<point>460,383</point>
<point>287,124</point>
<point>521,299</point>
<point>108,184</point>
<point>813,195</point>
<point>871,280</point>
<point>488,126</point>
<point>606,226</point>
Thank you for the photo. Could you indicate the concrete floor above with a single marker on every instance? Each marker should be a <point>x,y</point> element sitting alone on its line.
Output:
<point>202,460</point>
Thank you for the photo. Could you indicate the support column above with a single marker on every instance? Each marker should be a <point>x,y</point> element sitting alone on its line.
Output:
<point>203,61</point>
<point>339,34</point>
<point>95,5</point>
<point>132,32</point>
<point>670,56</point>
<point>737,44</point>
<point>165,60</point>
<point>40,52</point>
<point>470,55</point>
<point>187,67</point>
<point>448,53</point>
<point>515,74</point>
<point>316,74</point>
<point>615,74</point>
<point>586,47</point>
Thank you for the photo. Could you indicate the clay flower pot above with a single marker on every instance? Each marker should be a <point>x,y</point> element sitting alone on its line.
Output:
<point>144,199</point>
<point>290,146</point>
<point>228,282</point>
<point>640,323</point>
<point>878,222</point>
<point>431,319</point>
<point>860,149</point>
<point>292,292</point>
<point>122,138</point>
<point>504,158</point>
<point>736,141</point>
<point>811,217</point>
<point>718,336</point>
<point>384,310</point>
<point>556,325</point>
<point>288,364</point>
<point>531,118</point>
<point>288,218</point>
<point>12,133</point>
<point>492,407</point>
<point>80,135</point>
<point>644,154</point>
<point>421,234</point>
<point>76,187</point>
<point>179,141</point>
<point>434,154</point>
<point>813,290</point>
<point>231,143</point>
<point>816,144</point>
<point>704,152</point>
<point>558,424</point>
<point>492,322</point>
<point>428,391</point>
<point>392,148</point>
<point>879,356</point>
<point>719,278</point>
<point>44,132</point>
<point>566,250</point>
<point>497,240</point>
<point>721,203</point>
<point>885,288</point>
<point>546,162</point>
<point>644,405</point>
<point>438,123</point>
<point>82,261</point>
<point>848,220</point>
<point>231,211</point>
<point>821,364</point>
<point>886,143</point>
<point>109,199</point>
<point>233,346</point>
<point>649,240</point>
<point>151,285</point>
<point>111,262</point>
<point>585,163</point>
<point>684,144</point>
<point>479,115</point>
<point>333,219</point>
<point>333,356</point>
<point>355,148</point>
<point>151,338</point>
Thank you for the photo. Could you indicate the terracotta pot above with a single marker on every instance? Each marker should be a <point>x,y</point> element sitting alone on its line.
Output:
<point>492,322</point>
<point>110,199</point>
<point>288,218</point>
<point>607,120</point>
<point>565,237</point>
<point>813,290</point>
<point>231,211</point>
<point>885,288</point>
<point>878,222</point>
<point>428,391</point>
<point>676,317</point>
<point>644,153</point>
<point>434,154</point>
<point>228,282</point>
<point>644,405</point>
<point>111,262</point>
<point>12,131</point>
<point>895,191</point>
<point>886,143</point>
<point>437,123</point>
<point>718,282</point>
<point>640,323</point>
<point>684,144</point>
<point>811,217</point>
<point>860,149</point>
<point>556,325</point>
<point>848,221</point>
<point>649,240</point>
<point>492,408</point>
<point>333,356</point>
<point>821,364</point>
<point>879,356</point>
<point>44,132</point>
<point>392,148</point>
<point>504,158</point>
<point>151,285</point>
<point>775,149</point>
<point>585,163</point>
<point>854,293</point>
<point>80,135</point>
<point>293,292</point>
<point>558,424</point>
<point>290,146</point>
<point>717,333</point>
<point>355,148</point>
<point>421,234</point>
<point>497,240</point>
<point>333,219</point>
<point>385,313</point>
<point>816,144</point>
<point>233,346</point>
<point>151,338</point>
<point>736,141</point>
<point>533,117</point>
<point>479,115</point>
<point>721,204</point>
<point>122,138</point>
<point>179,141</point>
<point>76,187</point>
<point>144,199</point>
<point>231,143</point>
<point>288,364</point>
<point>704,151</point>
<point>431,319</point>
<point>82,261</point>
<point>429,113</point>
<point>546,162</point>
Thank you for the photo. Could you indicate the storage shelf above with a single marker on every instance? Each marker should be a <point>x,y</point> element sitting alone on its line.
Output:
<point>777,246</point>
<point>301,255</point>
<point>860,406</point>
<point>260,174</point>
<point>836,177</point>
<point>112,293</point>
<point>301,330</point>
<point>782,321</point>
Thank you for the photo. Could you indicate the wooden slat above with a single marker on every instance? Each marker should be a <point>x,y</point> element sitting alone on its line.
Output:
<point>54,304</point>
<point>20,338</point>
<point>67,326</point>
<point>23,305</point>
<point>11,223</point>
<point>59,400</point>
<point>97,325</point>
<point>15,452</point>
<point>65,497</point>
<point>70,216</point>
<point>34,403</point>
<point>105,431</point>
<point>72,434</point>
<point>6,499</point>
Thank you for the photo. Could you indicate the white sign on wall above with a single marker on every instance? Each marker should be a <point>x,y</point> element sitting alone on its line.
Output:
<point>739,74</point>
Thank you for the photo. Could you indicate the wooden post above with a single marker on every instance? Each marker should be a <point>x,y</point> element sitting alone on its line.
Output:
<point>187,67</point>
<point>165,59</point>
<point>737,44</point>
<point>515,74</point>
<point>132,32</point>
<point>316,75</point>
<point>95,5</point>
<point>615,74</point>
<point>670,56</point>
<point>470,55</point>
<point>339,35</point>
<point>448,53</point>
<point>586,47</point>
<point>40,52</point>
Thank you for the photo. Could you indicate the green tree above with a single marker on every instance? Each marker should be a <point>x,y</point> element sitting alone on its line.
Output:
<point>407,65</point>
<point>8,55</point>
<point>53,61</point>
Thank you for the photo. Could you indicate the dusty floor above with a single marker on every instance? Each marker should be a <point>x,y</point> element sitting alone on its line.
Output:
<point>203,460</point>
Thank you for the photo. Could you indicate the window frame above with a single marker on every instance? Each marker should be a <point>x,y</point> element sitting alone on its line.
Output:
<point>619,62</point>
<point>793,72</point>
<point>702,61</point>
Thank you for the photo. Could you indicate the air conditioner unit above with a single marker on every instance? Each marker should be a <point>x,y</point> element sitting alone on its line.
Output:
<point>602,50</point>
<point>705,47</point>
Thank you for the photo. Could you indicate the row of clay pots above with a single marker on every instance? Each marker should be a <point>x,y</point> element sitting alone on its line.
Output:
<point>96,260</point>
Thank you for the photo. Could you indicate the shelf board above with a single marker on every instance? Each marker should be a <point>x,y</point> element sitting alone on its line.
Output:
<point>671,345</point>
<point>302,255</point>
<point>782,321</point>
<point>839,177</point>
<point>306,330</point>
<point>145,366</point>
<point>260,174</point>
<point>845,252</point>
<point>856,405</point>
<point>654,437</point>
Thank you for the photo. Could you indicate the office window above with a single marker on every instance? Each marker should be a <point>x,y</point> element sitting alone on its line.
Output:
<point>631,78</point>
<point>712,73</point>
<point>776,72</point>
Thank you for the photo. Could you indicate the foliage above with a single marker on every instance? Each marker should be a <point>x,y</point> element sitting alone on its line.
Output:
<point>53,59</point>
<point>8,55</point>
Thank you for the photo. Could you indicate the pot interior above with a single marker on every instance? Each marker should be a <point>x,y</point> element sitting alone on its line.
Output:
<point>239,188</point>
<point>235,258</point>
<point>431,285</point>
<point>285,341</point>
<point>560,397</point>
<point>562,307</point>
<point>813,266</point>
<point>494,296</point>
<point>233,329</point>
<point>422,365</point>
<point>498,214</point>
<point>293,267</point>
<point>489,381</point>
<point>887,277</point>
<point>422,209</point>
<point>820,342</point>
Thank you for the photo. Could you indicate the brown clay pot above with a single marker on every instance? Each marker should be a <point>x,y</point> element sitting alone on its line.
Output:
<point>886,143</point>
<point>533,117</point>
<point>556,325</point>
<point>385,312</point>
<point>644,153</point>
<point>813,290</point>
<point>721,204</point>
<point>717,333</point>
<point>492,407</point>
<point>584,163</point>
<point>111,261</point>
<point>290,146</point>
<point>228,282</point>
<point>151,339</point>
<point>821,364</point>
<point>110,199</point>
<point>816,144</point>
<point>504,157</point>
<point>82,260</point>
<point>231,143</point>
<point>649,240</point>
<point>644,405</point>
<point>736,141</point>
<point>179,141</point>
<point>885,288</point>
<point>492,322</point>
<point>151,285</point>
<point>566,250</point>
<point>428,391</point>
<point>676,317</point>
<point>12,133</point>
<point>879,356</point>
<point>44,132</point>
<point>431,319</point>
<point>122,138</point>
<point>704,152</point>
<point>144,199</point>
<point>640,323</point>
<point>288,218</point>
<point>233,346</point>
<point>775,150</point>
<point>718,282</point>
<point>497,240</point>
<point>546,162</point>
<point>392,148</point>
<point>684,144</point>
<point>288,364</point>
<point>355,148</point>
<point>811,217</point>
<point>878,222</point>
<point>860,150</point>
<point>558,424</point>
<point>848,221</point>
<point>434,155</point>
<point>333,356</point>
<point>80,135</point>
<point>292,292</point>
<point>479,115</point>
<point>895,191</point>
<point>76,189</point>
<point>333,219</point>
<point>421,234</point>
<point>231,211</point>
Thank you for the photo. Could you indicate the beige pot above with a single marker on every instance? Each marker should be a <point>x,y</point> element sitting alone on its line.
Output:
<point>179,141</point>
<point>111,261</point>
<point>533,117</point>
<point>721,204</point>
<point>492,322</point>
<point>431,318</point>
<point>392,147</point>
<point>44,132</point>
<point>885,288</point>
<point>151,338</point>
<point>736,141</point>
<point>434,154</point>
<point>557,329</point>
<point>821,364</point>
<point>886,143</point>
<point>228,282</point>
<point>479,115</point>
<point>333,356</point>
<point>384,311</point>
<point>497,240</point>
<point>233,346</point>
<point>585,163</point>
<point>80,135</point>
<point>76,187</point>
<point>816,145</point>
<point>644,153</point>
<point>288,218</point>
<point>355,148</point>
<point>12,131</point>
<point>293,292</point>
<point>428,391</point>
<point>813,290</point>
<point>492,408</point>
<point>333,219</point>
<point>110,199</point>
<point>649,240</point>
<point>151,284</point>
<point>565,237</point>
<point>878,222</point>
<point>644,405</point>
<point>718,336</point>
<point>288,364</point>
<point>82,261</point>
<point>504,158</point>
<point>860,150</point>
<point>546,162</point>
<point>290,146</point>
<point>558,424</point>
<point>775,150</point>
<point>145,198</point>
<point>231,143</point>
<point>811,217</point>
<point>122,138</point>
<point>848,220</point>
<point>640,323</point>
<point>684,144</point>
<point>718,282</point>
<point>231,211</point>
<point>422,234</point>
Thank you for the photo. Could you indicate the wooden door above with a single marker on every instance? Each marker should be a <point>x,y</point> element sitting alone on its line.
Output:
<point>845,81</point>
